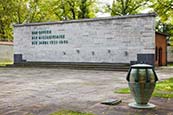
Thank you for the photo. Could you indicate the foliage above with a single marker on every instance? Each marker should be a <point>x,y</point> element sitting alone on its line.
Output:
<point>163,89</point>
<point>164,9</point>
<point>65,112</point>
<point>126,7</point>
<point>6,14</point>
<point>87,9</point>
<point>30,11</point>
<point>165,28</point>
<point>75,9</point>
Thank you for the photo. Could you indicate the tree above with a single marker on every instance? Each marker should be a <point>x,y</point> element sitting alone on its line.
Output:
<point>75,9</point>
<point>20,11</point>
<point>31,11</point>
<point>23,11</point>
<point>6,19</point>
<point>164,9</point>
<point>88,9</point>
<point>125,7</point>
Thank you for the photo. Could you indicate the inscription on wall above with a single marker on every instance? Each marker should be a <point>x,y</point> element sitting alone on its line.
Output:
<point>45,37</point>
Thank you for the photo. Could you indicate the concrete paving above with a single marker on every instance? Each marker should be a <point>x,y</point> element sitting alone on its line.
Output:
<point>41,91</point>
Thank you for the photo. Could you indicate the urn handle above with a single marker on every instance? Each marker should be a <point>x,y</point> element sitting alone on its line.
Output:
<point>156,78</point>
<point>128,75</point>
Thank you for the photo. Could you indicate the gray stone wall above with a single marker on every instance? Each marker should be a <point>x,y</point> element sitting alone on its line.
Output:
<point>100,40</point>
<point>170,54</point>
<point>6,53</point>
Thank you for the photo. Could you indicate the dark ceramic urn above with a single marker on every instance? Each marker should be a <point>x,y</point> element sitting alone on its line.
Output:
<point>141,80</point>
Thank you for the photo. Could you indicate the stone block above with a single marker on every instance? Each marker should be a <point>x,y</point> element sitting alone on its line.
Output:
<point>125,37</point>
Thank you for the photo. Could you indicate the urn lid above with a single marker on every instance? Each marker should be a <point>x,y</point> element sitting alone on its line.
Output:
<point>141,66</point>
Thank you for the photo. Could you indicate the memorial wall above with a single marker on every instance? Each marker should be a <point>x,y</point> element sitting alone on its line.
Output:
<point>119,39</point>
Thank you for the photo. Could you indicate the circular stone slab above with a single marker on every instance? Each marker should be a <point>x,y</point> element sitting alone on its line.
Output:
<point>138,106</point>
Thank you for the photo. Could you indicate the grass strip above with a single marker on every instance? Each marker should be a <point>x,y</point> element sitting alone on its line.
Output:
<point>163,89</point>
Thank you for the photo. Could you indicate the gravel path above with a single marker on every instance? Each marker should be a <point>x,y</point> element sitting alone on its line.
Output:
<point>40,91</point>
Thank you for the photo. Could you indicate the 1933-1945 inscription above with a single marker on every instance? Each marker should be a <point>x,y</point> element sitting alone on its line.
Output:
<point>46,37</point>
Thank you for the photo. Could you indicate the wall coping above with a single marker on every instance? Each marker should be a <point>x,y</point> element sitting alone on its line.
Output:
<point>6,43</point>
<point>163,34</point>
<point>87,20</point>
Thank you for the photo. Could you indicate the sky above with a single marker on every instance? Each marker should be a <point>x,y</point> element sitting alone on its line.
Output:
<point>102,3</point>
<point>106,1</point>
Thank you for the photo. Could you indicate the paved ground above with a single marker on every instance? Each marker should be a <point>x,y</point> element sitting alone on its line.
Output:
<point>40,91</point>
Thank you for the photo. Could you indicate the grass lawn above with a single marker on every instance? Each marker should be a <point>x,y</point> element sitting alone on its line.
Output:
<point>163,89</point>
<point>171,64</point>
<point>65,112</point>
<point>4,63</point>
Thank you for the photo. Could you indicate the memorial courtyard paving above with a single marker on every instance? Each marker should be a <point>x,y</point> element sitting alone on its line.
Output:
<point>41,91</point>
